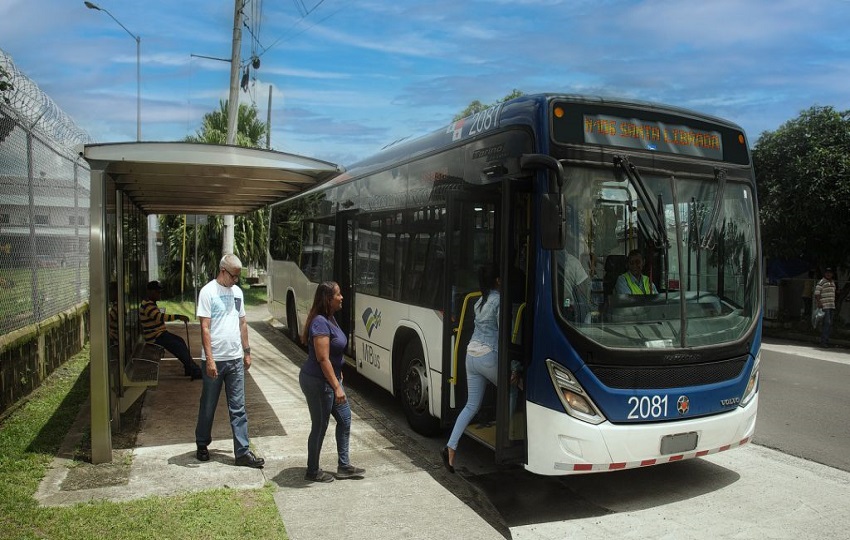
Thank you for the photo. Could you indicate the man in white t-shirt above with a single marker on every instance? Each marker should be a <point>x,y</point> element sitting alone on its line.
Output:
<point>225,358</point>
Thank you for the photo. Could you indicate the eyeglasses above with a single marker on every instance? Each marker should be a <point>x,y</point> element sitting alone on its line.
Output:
<point>234,278</point>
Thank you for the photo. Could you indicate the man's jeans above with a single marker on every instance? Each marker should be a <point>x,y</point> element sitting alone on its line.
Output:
<point>176,346</point>
<point>827,326</point>
<point>321,403</point>
<point>231,373</point>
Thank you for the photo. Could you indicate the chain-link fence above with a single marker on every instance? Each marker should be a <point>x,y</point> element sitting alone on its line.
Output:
<point>44,206</point>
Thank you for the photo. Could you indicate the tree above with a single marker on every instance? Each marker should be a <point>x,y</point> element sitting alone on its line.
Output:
<point>803,177</point>
<point>249,128</point>
<point>476,106</point>
<point>250,230</point>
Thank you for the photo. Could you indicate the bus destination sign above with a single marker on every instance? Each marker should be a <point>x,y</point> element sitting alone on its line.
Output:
<point>648,135</point>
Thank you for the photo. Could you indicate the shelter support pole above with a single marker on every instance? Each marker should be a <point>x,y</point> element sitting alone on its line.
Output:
<point>101,433</point>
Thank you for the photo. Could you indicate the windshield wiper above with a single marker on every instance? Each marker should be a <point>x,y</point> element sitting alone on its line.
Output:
<point>707,241</point>
<point>654,210</point>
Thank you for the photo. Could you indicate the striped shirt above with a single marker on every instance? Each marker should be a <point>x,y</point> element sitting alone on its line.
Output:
<point>825,293</point>
<point>153,320</point>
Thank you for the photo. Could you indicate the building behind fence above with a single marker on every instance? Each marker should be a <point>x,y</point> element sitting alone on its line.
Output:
<point>44,236</point>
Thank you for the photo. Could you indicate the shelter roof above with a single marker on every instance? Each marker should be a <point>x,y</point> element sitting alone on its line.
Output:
<point>206,179</point>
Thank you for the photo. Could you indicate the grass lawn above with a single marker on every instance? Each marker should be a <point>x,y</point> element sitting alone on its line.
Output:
<point>56,286</point>
<point>254,296</point>
<point>29,439</point>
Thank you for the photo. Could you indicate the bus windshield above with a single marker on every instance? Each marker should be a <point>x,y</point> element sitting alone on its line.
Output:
<point>657,260</point>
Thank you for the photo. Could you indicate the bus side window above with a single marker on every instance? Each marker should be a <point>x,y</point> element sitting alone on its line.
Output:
<point>415,268</point>
<point>434,272</point>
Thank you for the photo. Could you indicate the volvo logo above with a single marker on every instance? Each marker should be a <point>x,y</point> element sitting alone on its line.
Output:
<point>730,401</point>
<point>683,405</point>
<point>682,358</point>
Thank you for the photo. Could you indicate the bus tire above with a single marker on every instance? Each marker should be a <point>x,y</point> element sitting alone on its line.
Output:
<point>292,320</point>
<point>414,391</point>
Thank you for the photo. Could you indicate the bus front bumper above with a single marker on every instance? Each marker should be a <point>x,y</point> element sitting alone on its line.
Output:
<point>558,444</point>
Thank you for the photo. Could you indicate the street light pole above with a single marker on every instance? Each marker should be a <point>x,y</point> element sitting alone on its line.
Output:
<point>138,39</point>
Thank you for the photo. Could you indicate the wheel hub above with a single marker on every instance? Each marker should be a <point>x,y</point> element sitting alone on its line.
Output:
<point>416,387</point>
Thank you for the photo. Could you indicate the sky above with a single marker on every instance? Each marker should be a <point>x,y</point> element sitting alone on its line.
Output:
<point>348,77</point>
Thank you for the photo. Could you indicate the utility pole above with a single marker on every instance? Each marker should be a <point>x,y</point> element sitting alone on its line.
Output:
<point>233,111</point>
<point>269,122</point>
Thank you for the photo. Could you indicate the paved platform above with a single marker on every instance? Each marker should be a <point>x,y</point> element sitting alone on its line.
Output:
<point>405,492</point>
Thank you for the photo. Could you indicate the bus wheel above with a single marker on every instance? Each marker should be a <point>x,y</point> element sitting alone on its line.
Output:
<point>292,321</point>
<point>414,391</point>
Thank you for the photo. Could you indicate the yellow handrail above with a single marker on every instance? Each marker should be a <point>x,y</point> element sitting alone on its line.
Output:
<point>519,311</point>
<point>458,331</point>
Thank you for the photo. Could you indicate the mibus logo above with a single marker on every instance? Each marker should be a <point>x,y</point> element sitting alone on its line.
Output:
<point>372,320</point>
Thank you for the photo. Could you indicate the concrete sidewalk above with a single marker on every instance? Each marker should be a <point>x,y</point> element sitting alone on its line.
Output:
<point>405,492</point>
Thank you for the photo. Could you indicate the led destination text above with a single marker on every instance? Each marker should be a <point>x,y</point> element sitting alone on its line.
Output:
<point>630,133</point>
<point>652,133</point>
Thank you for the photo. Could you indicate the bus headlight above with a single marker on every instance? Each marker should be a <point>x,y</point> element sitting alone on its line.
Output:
<point>573,397</point>
<point>753,383</point>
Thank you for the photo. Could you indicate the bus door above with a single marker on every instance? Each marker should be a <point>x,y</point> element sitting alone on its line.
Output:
<point>472,241</point>
<point>345,228</point>
<point>515,341</point>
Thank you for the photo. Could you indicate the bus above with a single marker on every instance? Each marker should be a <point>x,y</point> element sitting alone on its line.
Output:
<point>555,191</point>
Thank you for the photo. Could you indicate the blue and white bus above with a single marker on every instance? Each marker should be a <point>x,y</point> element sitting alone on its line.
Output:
<point>556,191</point>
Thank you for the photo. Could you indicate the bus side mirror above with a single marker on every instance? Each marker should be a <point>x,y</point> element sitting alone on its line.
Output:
<point>553,226</point>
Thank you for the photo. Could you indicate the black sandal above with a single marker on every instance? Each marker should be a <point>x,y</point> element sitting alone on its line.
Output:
<point>444,453</point>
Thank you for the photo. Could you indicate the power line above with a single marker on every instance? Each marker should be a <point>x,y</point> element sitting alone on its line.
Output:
<point>284,37</point>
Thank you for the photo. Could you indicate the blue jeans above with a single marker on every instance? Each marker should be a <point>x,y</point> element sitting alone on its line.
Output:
<point>322,405</point>
<point>231,373</point>
<point>827,326</point>
<point>479,370</point>
<point>176,346</point>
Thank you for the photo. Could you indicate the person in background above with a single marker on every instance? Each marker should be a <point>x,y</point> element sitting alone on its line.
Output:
<point>153,327</point>
<point>112,314</point>
<point>808,293</point>
<point>227,356</point>
<point>825,297</point>
<point>482,358</point>
<point>633,281</point>
<point>576,301</point>
<point>321,381</point>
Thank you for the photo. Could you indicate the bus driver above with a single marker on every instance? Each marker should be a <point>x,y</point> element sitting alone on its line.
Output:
<point>633,281</point>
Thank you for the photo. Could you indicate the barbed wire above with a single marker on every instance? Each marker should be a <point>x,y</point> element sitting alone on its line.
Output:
<point>34,110</point>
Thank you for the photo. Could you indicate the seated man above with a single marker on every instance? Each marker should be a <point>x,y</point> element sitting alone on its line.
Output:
<point>633,281</point>
<point>153,327</point>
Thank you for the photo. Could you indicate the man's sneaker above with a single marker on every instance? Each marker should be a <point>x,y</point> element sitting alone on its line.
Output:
<point>248,459</point>
<point>202,454</point>
<point>320,476</point>
<point>349,471</point>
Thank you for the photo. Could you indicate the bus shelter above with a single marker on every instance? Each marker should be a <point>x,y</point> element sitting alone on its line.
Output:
<point>130,181</point>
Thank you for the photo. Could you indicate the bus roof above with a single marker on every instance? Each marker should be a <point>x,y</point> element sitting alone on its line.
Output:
<point>522,110</point>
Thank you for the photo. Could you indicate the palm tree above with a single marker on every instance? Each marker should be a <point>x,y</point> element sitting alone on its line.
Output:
<point>249,128</point>
<point>251,230</point>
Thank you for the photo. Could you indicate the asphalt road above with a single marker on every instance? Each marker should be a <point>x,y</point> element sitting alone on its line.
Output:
<point>804,403</point>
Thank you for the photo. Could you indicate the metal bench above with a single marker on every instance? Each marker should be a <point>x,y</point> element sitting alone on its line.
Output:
<point>140,372</point>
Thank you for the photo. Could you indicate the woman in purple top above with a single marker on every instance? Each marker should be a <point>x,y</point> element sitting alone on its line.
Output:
<point>321,382</point>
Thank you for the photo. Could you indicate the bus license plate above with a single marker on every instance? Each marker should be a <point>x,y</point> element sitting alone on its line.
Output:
<point>680,442</point>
